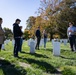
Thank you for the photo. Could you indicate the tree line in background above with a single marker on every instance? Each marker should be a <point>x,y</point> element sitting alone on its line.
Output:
<point>8,33</point>
<point>54,16</point>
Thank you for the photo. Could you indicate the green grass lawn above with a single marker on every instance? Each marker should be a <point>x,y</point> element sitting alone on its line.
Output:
<point>41,63</point>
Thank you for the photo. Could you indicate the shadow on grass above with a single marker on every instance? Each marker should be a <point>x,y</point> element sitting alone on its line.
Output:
<point>64,50</point>
<point>46,67</point>
<point>36,55</point>
<point>47,49</point>
<point>51,50</point>
<point>68,53</point>
<point>67,58</point>
<point>8,69</point>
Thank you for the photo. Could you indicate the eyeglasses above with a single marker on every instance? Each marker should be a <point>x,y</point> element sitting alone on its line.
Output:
<point>70,24</point>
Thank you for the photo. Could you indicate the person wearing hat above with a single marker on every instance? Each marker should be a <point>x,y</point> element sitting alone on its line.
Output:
<point>17,35</point>
<point>2,38</point>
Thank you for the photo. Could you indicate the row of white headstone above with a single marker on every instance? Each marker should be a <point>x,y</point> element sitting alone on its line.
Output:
<point>6,42</point>
<point>64,41</point>
<point>35,41</point>
<point>32,44</point>
<point>56,45</point>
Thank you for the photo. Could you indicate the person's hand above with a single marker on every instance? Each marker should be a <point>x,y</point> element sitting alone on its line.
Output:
<point>70,30</point>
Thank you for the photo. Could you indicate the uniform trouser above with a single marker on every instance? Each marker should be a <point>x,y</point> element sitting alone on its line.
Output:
<point>16,46</point>
<point>0,46</point>
<point>72,42</point>
<point>21,42</point>
<point>38,42</point>
<point>45,40</point>
<point>75,42</point>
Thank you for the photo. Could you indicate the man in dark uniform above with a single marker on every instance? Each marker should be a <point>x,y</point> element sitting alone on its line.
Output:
<point>38,36</point>
<point>17,35</point>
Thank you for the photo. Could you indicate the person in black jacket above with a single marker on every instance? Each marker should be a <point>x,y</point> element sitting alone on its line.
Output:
<point>1,34</point>
<point>45,38</point>
<point>38,36</point>
<point>17,35</point>
<point>21,40</point>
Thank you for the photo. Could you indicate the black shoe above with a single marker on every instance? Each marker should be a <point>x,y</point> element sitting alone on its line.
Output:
<point>20,51</point>
<point>38,49</point>
<point>4,49</point>
<point>15,55</point>
<point>72,50</point>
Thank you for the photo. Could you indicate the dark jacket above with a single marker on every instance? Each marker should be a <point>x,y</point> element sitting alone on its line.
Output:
<point>17,31</point>
<point>2,37</point>
<point>45,35</point>
<point>38,33</point>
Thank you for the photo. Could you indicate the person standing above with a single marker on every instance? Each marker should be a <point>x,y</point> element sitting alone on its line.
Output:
<point>2,38</point>
<point>17,35</point>
<point>71,35</point>
<point>21,41</point>
<point>38,36</point>
<point>45,38</point>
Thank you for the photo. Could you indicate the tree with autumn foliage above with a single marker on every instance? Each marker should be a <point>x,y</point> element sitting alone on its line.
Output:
<point>26,34</point>
<point>54,16</point>
<point>30,22</point>
<point>58,13</point>
<point>37,22</point>
<point>8,33</point>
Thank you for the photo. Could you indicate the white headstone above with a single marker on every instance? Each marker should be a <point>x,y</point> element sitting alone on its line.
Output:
<point>65,41</point>
<point>13,42</point>
<point>32,46</point>
<point>48,39</point>
<point>42,42</point>
<point>56,48</point>
<point>52,41</point>
<point>61,40</point>
<point>3,46</point>
<point>23,41</point>
<point>29,41</point>
<point>6,42</point>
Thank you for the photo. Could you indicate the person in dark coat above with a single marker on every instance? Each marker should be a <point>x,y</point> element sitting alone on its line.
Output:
<point>2,37</point>
<point>38,36</point>
<point>21,41</point>
<point>17,35</point>
<point>45,38</point>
